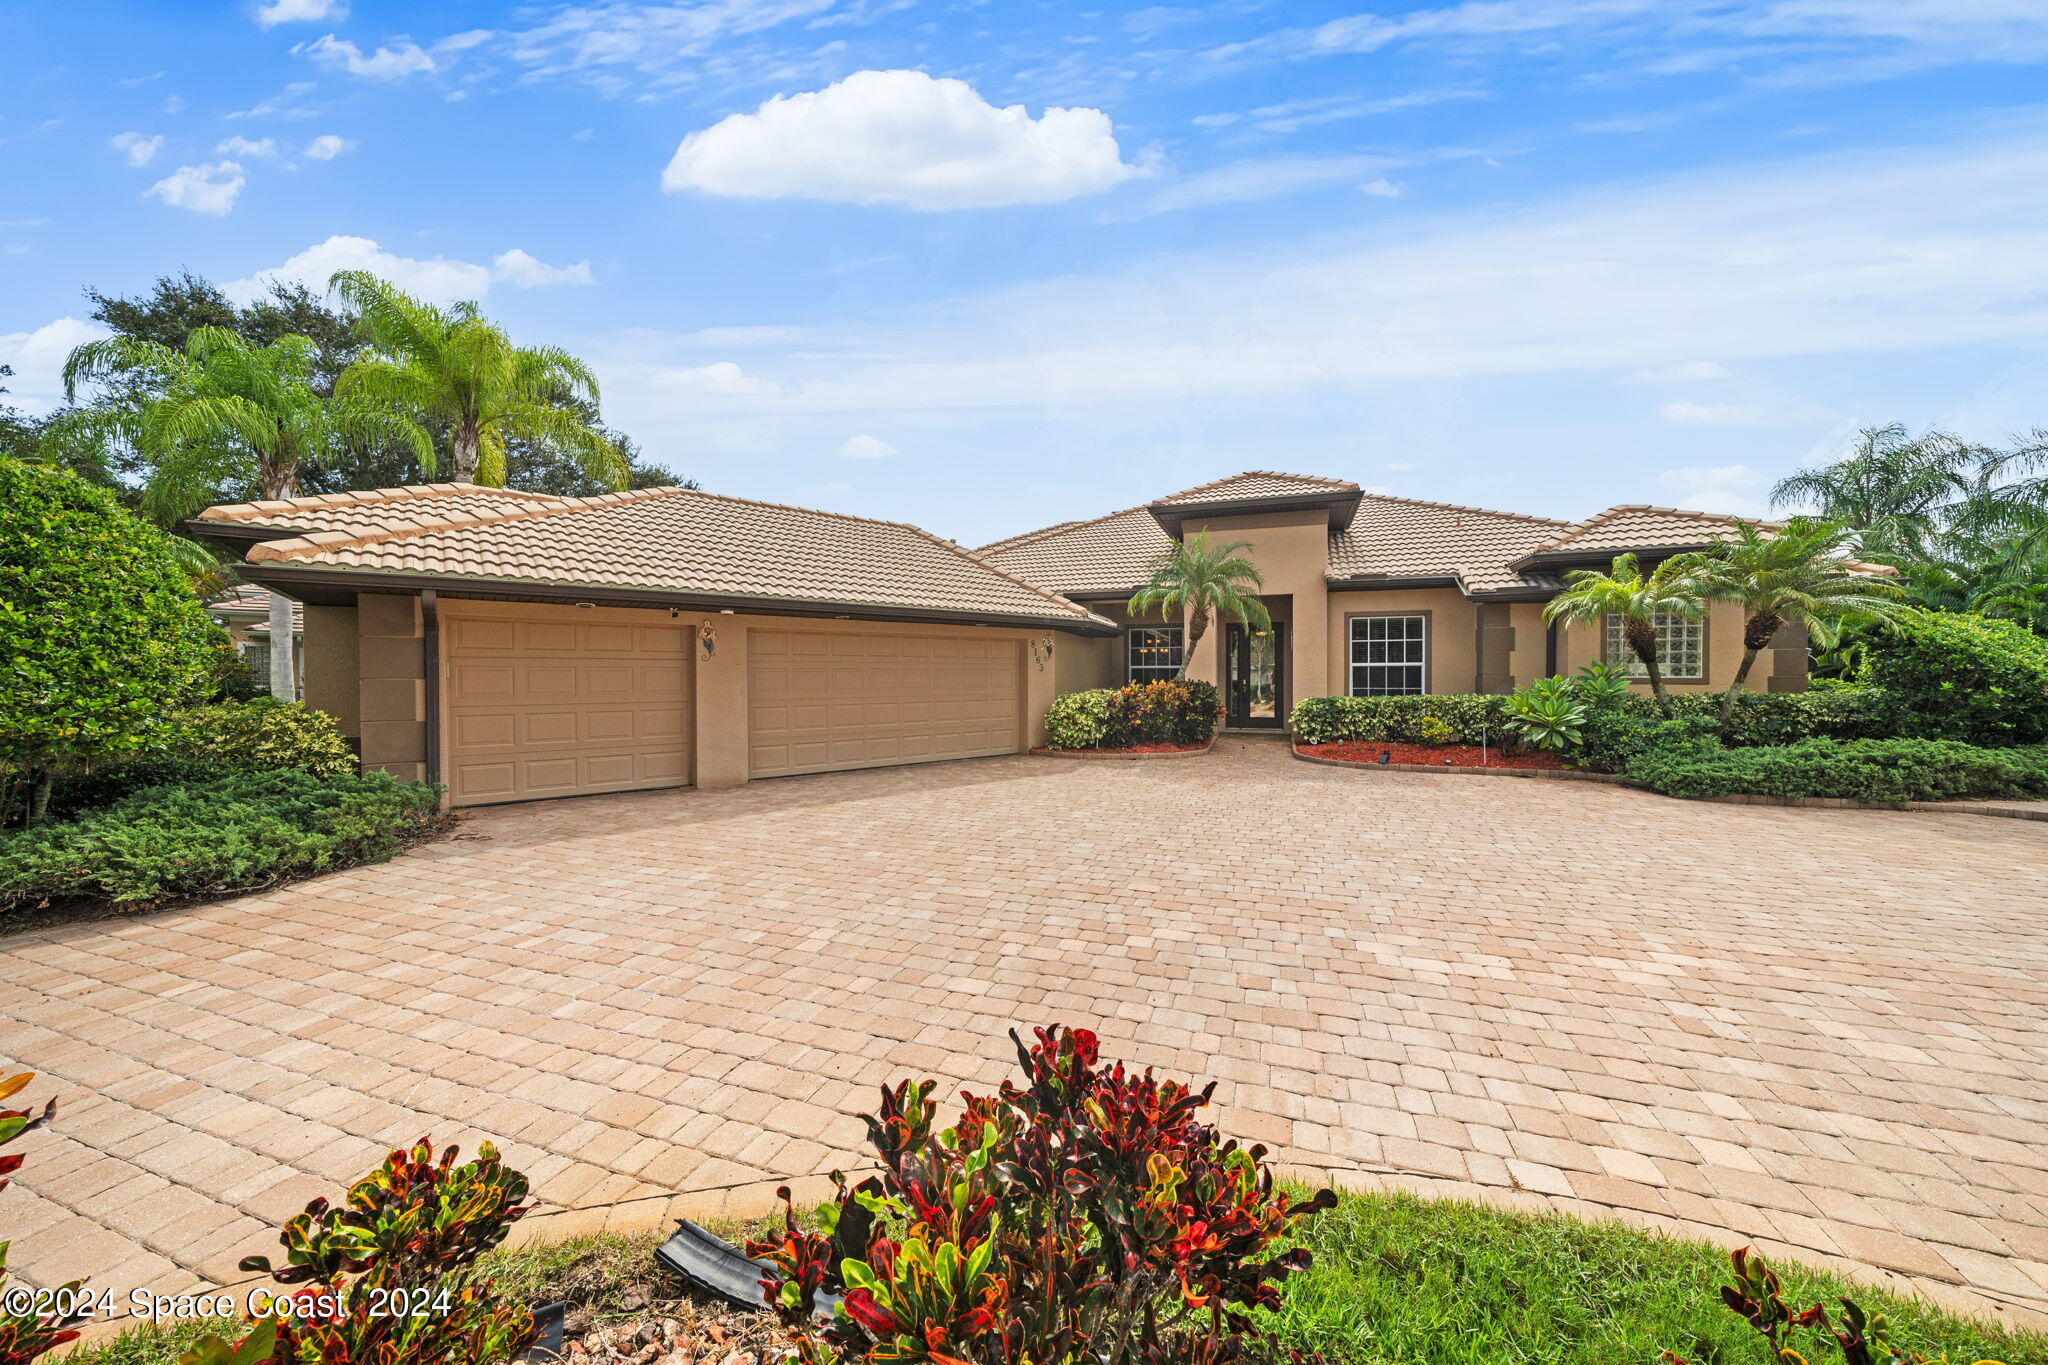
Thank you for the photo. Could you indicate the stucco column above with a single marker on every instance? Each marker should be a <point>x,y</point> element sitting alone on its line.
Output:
<point>720,742</point>
<point>391,659</point>
<point>1041,678</point>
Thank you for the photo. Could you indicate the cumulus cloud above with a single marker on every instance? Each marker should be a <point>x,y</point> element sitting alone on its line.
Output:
<point>37,358</point>
<point>901,138</point>
<point>138,148</point>
<point>394,61</point>
<point>1681,372</point>
<point>437,280</point>
<point>1733,489</point>
<point>723,378</point>
<point>209,188</point>
<point>328,146</point>
<point>866,448</point>
<point>271,13</point>
<point>260,149</point>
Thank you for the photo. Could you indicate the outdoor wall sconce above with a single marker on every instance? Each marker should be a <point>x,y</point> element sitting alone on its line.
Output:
<point>707,640</point>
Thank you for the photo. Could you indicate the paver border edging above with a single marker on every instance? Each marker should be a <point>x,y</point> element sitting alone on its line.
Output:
<point>2038,812</point>
<point>1124,753</point>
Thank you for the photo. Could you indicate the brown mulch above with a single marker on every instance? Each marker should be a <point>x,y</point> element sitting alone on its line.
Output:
<point>680,1332</point>
<point>1433,755</point>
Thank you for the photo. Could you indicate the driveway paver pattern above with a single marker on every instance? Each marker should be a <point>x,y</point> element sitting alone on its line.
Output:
<point>1825,1032</point>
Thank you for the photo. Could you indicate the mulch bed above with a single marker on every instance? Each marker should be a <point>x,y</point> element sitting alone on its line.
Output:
<point>662,1323</point>
<point>1433,755</point>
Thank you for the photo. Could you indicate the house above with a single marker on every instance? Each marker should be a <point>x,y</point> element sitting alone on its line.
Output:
<point>244,612</point>
<point>520,646</point>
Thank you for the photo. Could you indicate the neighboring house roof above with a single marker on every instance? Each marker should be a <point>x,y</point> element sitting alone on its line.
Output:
<point>1259,483</point>
<point>667,541</point>
<point>249,602</point>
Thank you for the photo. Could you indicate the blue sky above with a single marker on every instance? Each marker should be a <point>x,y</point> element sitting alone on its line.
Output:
<point>987,266</point>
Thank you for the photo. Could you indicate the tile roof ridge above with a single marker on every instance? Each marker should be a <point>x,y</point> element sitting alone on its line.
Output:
<point>412,492</point>
<point>1461,507</point>
<point>1342,485</point>
<point>449,521</point>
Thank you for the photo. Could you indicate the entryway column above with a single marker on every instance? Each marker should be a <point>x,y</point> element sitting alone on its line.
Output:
<point>719,647</point>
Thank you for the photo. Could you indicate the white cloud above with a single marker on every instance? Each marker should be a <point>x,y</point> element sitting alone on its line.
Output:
<point>328,146</point>
<point>209,188</point>
<point>722,378</point>
<point>286,103</point>
<point>139,150</point>
<point>1734,489</point>
<point>520,268</point>
<point>1716,414</point>
<point>865,448</point>
<point>1681,372</point>
<point>437,280</point>
<point>37,383</point>
<point>1272,178</point>
<point>239,146</point>
<point>606,44</point>
<point>901,138</point>
<point>271,13</point>
<point>1291,115</point>
<point>394,61</point>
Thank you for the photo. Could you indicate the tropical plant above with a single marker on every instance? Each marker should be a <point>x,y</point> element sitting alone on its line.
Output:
<point>1084,1216</point>
<point>455,368</point>
<point>31,1325</point>
<point>389,1277</point>
<point>226,414</point>
<point>100,638</point>
<point>1546,713</point>
<point>1163,712</point>
<point>1758,1298</point>
<point>1670,589</point>
<point>1798,575</point>
<point>1434,730</point>
<point>1199,580</point>
<point>1601,685</point>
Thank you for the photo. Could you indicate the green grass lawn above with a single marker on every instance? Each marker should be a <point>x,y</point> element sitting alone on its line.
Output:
<point>1401,1280</point>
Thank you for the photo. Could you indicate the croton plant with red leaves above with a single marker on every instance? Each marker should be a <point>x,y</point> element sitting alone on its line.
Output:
<point>26,1331</point>
<point>1086,1216</point>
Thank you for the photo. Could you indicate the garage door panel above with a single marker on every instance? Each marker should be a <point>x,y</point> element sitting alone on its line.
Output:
<point>825,700</point>
<point>539,709</point>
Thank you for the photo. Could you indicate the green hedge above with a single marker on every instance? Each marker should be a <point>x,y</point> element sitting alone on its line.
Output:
<point>1325,720</point>
<point>1883,770</point>
<point>1968,678</point>
<point>220,837</point>
<point>260,735</point>
<point>1179,712</point>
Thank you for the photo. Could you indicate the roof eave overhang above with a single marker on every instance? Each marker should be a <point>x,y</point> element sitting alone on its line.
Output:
<point>1374,582</point>
<point>1555,559</point>
<point>337,587</point>
<point>1342,507</point>
<point>235,535</point>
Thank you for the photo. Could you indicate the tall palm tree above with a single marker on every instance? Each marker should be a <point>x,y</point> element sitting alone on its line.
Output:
<point>1894,486</point>
<point>454,367</point>
<point>1671,589</point>
<point>1797,576</point>
<point>226,415</point>
<point>1201,580</point>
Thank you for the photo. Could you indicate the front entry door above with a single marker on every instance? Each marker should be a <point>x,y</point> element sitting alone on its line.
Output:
<point>1255,676</point>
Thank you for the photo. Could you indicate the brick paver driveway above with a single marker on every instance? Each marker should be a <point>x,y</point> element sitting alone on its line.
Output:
<point>1816,1029</point>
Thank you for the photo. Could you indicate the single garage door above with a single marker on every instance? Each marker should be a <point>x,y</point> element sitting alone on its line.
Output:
<point>539,708</point>
<point>818,701</point>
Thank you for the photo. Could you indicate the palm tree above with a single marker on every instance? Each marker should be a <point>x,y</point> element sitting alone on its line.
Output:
<point>1797,576</point>
<point>225,414</point>
<point>453,367</point>
<point>1200,580</point>
<point>1671,589</point>
<point>1894,486</point>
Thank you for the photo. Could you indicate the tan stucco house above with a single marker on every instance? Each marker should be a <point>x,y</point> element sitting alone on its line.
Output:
<point>520,646</point>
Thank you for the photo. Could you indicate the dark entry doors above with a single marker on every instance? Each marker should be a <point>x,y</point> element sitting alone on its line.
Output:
<point>1255,676</point>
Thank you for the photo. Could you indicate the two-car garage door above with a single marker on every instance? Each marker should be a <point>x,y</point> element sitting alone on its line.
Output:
<point>549,705</point>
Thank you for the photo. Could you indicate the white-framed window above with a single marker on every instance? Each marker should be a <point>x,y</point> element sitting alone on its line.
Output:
<point>1681,647</point>
<point>1389,656</point>
<point>1153,653</point>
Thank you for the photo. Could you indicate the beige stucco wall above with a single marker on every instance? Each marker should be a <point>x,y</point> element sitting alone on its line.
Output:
<point>1292,553</point>
<point>382,666</point>
<point>331,679</point>
<point>1580,644</point>
<point>1450,652</point>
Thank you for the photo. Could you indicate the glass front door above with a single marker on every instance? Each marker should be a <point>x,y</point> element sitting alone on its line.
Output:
<point>1255,675</point>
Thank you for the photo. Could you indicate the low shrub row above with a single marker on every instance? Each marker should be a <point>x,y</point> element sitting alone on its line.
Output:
<point>1179,712</point>
<point>1680,759</point>
<point>262,734</point>
<point>220,836</point>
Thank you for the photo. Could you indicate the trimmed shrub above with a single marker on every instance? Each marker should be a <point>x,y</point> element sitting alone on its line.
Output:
<point>222,837</point>
<point>1881,770</point>
<point>1178,712</point>
<point>101,636</point>
<point>1326,720</point>
<point>260,735</point>
<point>1085,1215</point>
<point>1968,678</point>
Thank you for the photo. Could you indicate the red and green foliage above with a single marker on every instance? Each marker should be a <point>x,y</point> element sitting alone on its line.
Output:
<point>1181,711</point>
<point>25,1334</point>
<point>1758,1297</point>
<point>388,1277</point>
<point>1086,1216</point>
